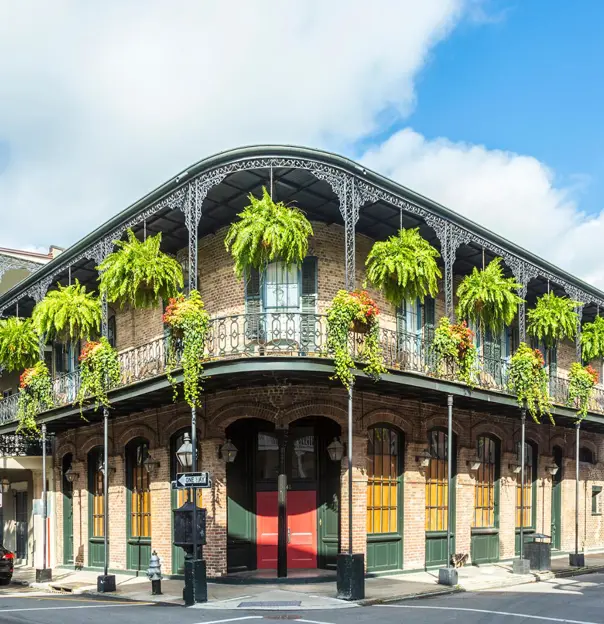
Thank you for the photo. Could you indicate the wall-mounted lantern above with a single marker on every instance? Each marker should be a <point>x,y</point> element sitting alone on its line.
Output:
<point>185,453</point>
<point>553,469</point>
<point>515,468</point>
<point>335,450</point>
<point>474,464</point>
<point>151,465</point>
<point>228,452</point>
<point>71,475</point>
<point>4,486</point>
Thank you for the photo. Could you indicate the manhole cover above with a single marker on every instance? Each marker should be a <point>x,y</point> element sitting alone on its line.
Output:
<point>267,604</point>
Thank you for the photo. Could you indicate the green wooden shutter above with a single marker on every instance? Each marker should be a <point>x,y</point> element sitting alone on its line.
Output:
<point>308,305</point>
<point>253,306</point>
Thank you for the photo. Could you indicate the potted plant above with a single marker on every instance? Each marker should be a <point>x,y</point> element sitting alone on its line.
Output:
<point>35,396</point>
<point>529,382</point>
<point>592,339</point>
<point>487,298</point>
<point>99,371</point>
<point>453,345</point>
<point>552,319</point>
<point>354,312</point>
<point>68,314</point>
<point>582,380</point>
<point>188,324</point>
<point>404,267</point>
<point>267,231</point>
<point>19,344</point>
<point>139,273</point>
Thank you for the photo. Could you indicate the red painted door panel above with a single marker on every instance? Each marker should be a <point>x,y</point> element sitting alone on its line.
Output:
<point>302,527</point>
<point>266,530</point>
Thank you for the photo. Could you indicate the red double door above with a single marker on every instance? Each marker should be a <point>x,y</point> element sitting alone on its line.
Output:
<point>301,529</point>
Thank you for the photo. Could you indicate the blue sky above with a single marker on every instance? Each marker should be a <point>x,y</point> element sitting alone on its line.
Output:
<point>491,107</point>
<point>531,80</point>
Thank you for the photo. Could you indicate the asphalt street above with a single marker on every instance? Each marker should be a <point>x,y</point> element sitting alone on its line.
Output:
<point>574,601</point>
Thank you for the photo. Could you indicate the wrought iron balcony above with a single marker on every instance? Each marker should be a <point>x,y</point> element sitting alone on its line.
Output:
<point>20,446</point>
<point>298,335</point>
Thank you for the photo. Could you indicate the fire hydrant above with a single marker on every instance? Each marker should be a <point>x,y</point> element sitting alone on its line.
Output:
<point>154,574</point>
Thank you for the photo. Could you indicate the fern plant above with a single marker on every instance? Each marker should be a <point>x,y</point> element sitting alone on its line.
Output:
<point>19,344</point>
<point>488,298</point>
<point>552,319</point>
<point>267,231</point>
<point>139,273</point>
<point>404,267</point>
<point>592,339</point>
<point>68,314</point>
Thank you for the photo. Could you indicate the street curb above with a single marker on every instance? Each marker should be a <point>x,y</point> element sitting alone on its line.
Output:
<point>368,602</point>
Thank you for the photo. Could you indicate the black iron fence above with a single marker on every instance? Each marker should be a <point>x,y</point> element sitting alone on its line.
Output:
<point>300,335</point>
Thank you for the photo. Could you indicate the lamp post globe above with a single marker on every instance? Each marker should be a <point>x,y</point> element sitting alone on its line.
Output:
<point>185,453</point>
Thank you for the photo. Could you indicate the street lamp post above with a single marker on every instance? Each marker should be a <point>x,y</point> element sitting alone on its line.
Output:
<point>350,567</point>
<point>577,559</point>
<point>44,575</point>
<point>522,565</point>
<point>195,589</point>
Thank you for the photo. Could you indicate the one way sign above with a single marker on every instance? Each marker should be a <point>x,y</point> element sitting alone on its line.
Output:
<point>192,480</point>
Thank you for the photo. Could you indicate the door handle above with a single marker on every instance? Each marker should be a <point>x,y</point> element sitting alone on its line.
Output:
<point>289,536</point>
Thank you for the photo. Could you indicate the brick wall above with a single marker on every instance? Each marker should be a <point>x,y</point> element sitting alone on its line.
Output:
<point>412,418</point>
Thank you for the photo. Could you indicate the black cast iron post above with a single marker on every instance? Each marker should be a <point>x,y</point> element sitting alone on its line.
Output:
<point>577,559</point>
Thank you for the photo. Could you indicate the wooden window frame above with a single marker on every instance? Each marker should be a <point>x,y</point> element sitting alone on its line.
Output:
<point>390,480</point>
<point>530,487</point>
<point>486,482</point>
<point>437,482</point>
<point>96,483</point>
<point>139,490</point>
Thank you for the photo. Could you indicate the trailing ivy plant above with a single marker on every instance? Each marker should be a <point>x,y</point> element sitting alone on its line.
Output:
<point>592,339</point>
<point>453,344</point>
<point>528,380</point>
<point>19,344</point>
<point>188,325</point>
<point>404,267</point>
<point>35,396</point>
<point>267,231</point>
<point>582,380</point>
<point>68,314</point>
<point>355,312</point>
<point>488,298</point>
<point>552,319</point>
<point>99,371</point>
<point>139,273</point>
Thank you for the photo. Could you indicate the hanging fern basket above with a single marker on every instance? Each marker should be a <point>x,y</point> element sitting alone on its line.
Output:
<point>581,382</point>
<point>68,314</point>
<point>139,274</point>
<point>488,298</point>
<point>267,231</point>
<point>404,267</point>
<point>592,339</point>
<point>552,319</point>
<point>453,347</point>
<point>19,344</point>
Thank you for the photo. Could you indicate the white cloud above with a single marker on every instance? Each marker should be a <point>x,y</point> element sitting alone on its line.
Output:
<point>101,102</point>
<point>513,195</point>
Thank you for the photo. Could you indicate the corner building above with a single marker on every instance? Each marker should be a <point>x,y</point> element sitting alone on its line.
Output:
<point>268,390</point>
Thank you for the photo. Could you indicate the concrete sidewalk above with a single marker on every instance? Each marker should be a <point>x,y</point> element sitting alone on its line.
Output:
<point>313,595</point>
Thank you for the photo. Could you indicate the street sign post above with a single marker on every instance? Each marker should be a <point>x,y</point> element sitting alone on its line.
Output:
<point>186,480</point>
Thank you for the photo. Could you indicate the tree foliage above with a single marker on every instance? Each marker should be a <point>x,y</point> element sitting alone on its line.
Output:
<point>592,339</point>
<point>68,313</point>
<point>139,273</point>
<point>267,231</point>
<point>488,298</point>
<point>552,319</point>
<point>404,267</point>
<point>19,344</point>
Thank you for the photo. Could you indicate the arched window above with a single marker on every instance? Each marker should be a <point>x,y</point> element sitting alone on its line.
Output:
<point>95,487</point>
<point>487,475</point>
<point>139,485</point>
<point>530,476</point>
<point>437,503</point>
<point>586,455</point>
<point>383,480</point>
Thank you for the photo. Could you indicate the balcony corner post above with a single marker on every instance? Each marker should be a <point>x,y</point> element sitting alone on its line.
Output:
<point>579,310</point>
<point>352,203</point>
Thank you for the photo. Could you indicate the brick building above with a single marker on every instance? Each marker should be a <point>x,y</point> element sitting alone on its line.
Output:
<point>268,390</point>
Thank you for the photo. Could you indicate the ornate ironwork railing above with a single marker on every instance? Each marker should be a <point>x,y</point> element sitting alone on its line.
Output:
<point>19,446</point>
<point>298,335</point>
